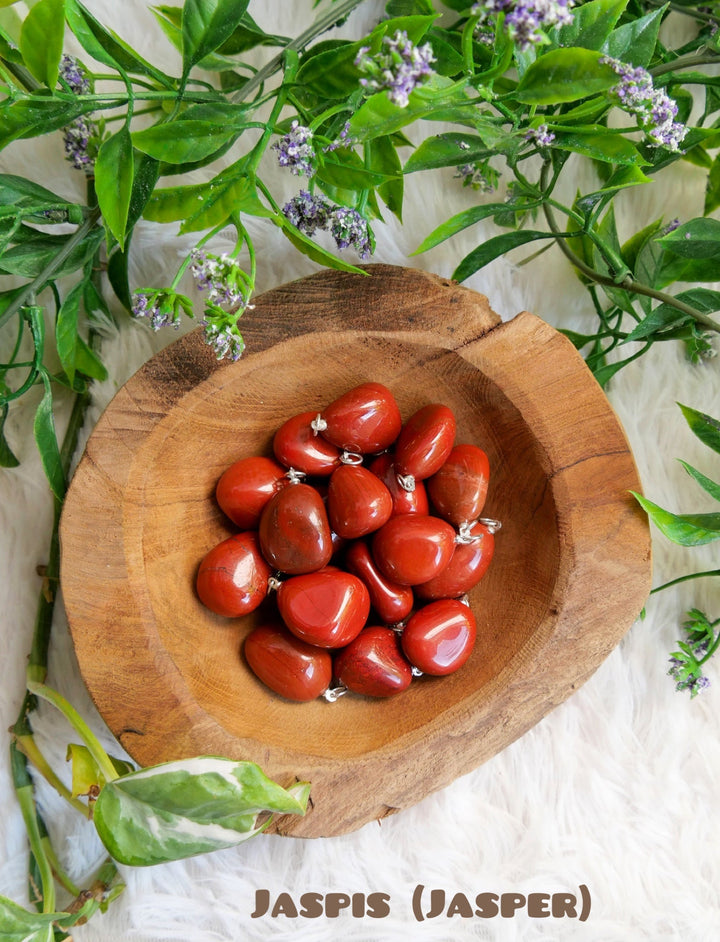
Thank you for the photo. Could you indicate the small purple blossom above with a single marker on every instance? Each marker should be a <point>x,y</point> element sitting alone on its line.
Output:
<point>295,150</point>
<point>653,107</point>
<point>79,139</point>
<point>350,229</point>
<point>478,177</point>
<point>308,213</point>
<point>161,307</point>
<point>221,277</point>
<point>540,135</point>
<point>224,338</point>
<point>400,66</point>
<point>342,140</point>
<point>526,20</point>
<point>73,73</point>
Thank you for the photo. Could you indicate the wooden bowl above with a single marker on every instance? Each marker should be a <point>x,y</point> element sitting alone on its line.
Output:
<point>570,574</point>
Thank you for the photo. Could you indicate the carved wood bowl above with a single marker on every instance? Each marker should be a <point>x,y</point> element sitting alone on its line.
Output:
<point>570,574</point>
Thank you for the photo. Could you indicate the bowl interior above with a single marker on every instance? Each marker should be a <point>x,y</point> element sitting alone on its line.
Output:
<point>171,520</point>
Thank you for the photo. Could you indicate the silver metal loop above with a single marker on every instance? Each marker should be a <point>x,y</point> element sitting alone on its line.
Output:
<point>294,476</point>
<point>492,525</point>
<point>318,424</point>
<point>416,672</point>
<point>406,482</point>
<point>332,693</point>
<point>351,457</point>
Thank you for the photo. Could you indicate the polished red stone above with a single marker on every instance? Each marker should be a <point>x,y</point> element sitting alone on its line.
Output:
<point>469,563</point>
<point>439,638</point>
<point>232,579</point>
<point>246,486</point>
<point>373,664</point>
<point>286,664</point>
<point>412,548</point>
<point>365,419</point>
<point>294,530</point>
<point>392,602</point>
<point>459,488</point>
<point>327,608</point>
<point>404,502</point>
<point>425,441</point>
<point>297,445</point>
<point>358,502</point>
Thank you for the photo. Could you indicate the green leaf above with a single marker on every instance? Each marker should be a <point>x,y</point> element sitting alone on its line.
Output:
<point>706,483</point>
<point>193,806</point>
<point>107,47</point>
<point>41,40</point>
<point>46,440</point>
<point>66,329</point>
<point>494,248</point>
<point>313,251</point>
<point>86,773</point>
<point>703,426</point>
<point>7,456</point>
<point>684,529</point>
<point>468,217</point>
<point>329,71</point>
<point>564,75</point>
<point>19,191</point>
<point>601,145</point>
<point>345,169</point>
<point>447,150</point>
<point>21,925</point>
<point>206,25</point>
<point>30,258</point>
<point>379,116</point>
<point>591,24</point>
<point>666,317</point>
<point>30,117</point>
<point>181,142</point>
<point>383,158</point>
<point>114,169</point>
<point>697,239</point>
<point>635,41</point>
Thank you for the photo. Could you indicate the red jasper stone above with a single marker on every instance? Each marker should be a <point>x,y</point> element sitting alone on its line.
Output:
<point>404,502</point>
<point>294,530</point>
<point>327,608</point>
<point>392,602</point>
<point>291,667</point>
<point>439,638</point>
<point>458,490</point>
<point>467,566</point>
<point>364,420</point>
<point>297,445</point>
<point>425,441</point>
<point>232,579</point>
<point>246,486</point>
<point>373,664</point>
<point>358,502</point>
<point>411,549</point>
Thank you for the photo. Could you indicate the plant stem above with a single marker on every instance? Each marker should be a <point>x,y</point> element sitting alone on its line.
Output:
<point>685,578</point>
<point>684,62</point>
<point>26,799</point>
<point>329,19</point>
<point>29,748</point>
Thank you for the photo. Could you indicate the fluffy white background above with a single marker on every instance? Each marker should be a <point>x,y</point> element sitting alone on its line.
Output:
<point>616,789</point>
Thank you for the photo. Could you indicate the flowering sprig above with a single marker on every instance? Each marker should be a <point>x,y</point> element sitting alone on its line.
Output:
<point>400,67</point>
<point>81,138</point>
<point>161,307</point>
<point>702,639</point>
<point>295,150</point>
<point>311,213</point>
<point>655,110</point>
<point>526,21</point>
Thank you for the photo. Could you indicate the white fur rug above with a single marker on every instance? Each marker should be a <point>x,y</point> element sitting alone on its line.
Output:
<point>615,790</point>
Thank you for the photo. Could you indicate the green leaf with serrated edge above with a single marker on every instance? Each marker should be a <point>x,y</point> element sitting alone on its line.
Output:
<point>383,157</point>
<point>447,150</point>
<point>7,456</point>
<point>107,47</point>
<point>464,219</point>
<point>564,75</point>
<point>635,41</point>
<point>379,116</point>
<point>180,809</point>
<point>697,239</point>
<point>66,329</point>
<point>114,170</point>
<point>707,484</point>
<point>703,426</point>
<point>46,440</point>
<point>683,529</point>
<point>601,145</point>
<point>41,40</point>
<point>591,24</point>
<point>494,248</point>
<point>206,24</point>
<point>182,142</point>
<point>313,251</point>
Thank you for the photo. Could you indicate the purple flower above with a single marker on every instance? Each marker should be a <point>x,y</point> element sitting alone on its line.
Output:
<point>222,277</point>
<point>73,73</point>
<point>399,67</point>
<point>295,150</point>
<point>350,229</point>
<point>308,213</point>
<point>162,307</point>
<point>653,107</point>
<point>224,338</point>
<point>79,140</point>
<point>478,177</point>
<point>526,20</point>
<point>342,140</point>
<point>540,135</point>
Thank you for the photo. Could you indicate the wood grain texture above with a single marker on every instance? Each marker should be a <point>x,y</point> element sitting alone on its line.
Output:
<point>570,574</point>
